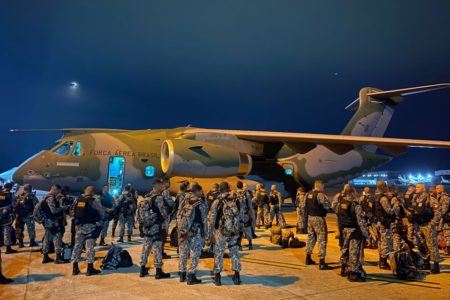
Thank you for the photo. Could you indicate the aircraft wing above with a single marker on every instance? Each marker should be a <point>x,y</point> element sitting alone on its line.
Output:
<point>303,142</point>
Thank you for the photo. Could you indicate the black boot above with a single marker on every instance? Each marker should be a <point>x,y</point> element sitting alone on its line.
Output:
<point>254,234</point>
<point>192,279</point>
<point>309,260</point>
<point>9,250</point>
<point>91,270</point>
<point>129,238</point>
<point>33,243</point>
<point>217,279</point>
<point>297,230</point>
<point>4,280</point>
<point>143,272</point>
<point>166,256</point>
<point>383,264</point>
<point>182,276</point>
<point>59,259</point>
<point>102,242</point>
<point>236,278</point>
<point>160,274</point>
<point>120,240</point>
<point>426,264</point>
<point>47,259</point>
<point>75,269</point>
<point>21,245</point>
<point>355,277</point>
<point>343,272</point>
<point>435,269</point>
<point>323,265</point>
<point>250,245</point>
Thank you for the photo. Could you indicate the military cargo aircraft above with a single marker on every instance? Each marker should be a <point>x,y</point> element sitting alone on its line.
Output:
<point>114,156</point>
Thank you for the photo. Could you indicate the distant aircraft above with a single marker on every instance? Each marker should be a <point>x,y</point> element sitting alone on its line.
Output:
<point>115,157</point>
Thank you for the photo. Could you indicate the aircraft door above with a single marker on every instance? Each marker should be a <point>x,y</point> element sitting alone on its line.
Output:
<point>116,171</point>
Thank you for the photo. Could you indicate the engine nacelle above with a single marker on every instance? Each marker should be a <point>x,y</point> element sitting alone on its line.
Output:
<point>189,158</point>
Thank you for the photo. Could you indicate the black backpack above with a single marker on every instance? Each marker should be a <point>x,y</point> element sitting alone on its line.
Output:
<point>116,258</point>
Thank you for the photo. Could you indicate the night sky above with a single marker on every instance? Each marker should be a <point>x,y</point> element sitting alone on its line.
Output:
<point>256,65</point>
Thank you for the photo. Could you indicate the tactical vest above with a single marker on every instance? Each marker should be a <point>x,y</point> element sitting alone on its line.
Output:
<point>346,214</point>
<point>261,198</point>
<point>367,205</point>
<point>5,199</point>
<point>313,207</point>
<point>407,199</point>
<point>25,204</point>
<point>422,213</point>
<point>273,200</point>
<point>379,213</point>
<point>85,212</point>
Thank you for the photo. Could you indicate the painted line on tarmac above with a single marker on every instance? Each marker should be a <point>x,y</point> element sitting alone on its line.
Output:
<point>272,263</point>
<point>424,284</point>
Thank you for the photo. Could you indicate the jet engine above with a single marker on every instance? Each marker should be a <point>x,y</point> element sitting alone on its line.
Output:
<point>190,158</point>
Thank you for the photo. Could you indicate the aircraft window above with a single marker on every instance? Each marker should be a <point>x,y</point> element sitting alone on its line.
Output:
<point>77,150</point>
<point>150,171</point>
<point>64,149</point>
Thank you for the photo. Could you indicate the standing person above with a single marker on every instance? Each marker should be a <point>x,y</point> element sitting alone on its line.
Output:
<point>367,204</point>
<point>275,203</point>
<point>126,208</point>
<point>53,224</point>
<point>300,208</point>
<point>317,205</point>
<point>151,214</point>
<point>108,204</point>
<point>444,201</point>
<point>398,214</point>
<point>212,194</point>
<point>383,217</point>
<point>224,223</point>
<point>26,202</point>
<point>262,202</point>
<point>7,203</point>
<point>248,215</point>
<point>253,217</point>
<point>408,205</point>
<point>67,201</point>
<point>115,217</point>
<point>169,205</point>
<point>351,219</point>
<point>192,231</point>
<point>88,214</point>
<point>426,216</point>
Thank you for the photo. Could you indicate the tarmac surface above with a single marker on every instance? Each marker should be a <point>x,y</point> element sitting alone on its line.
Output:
<point>268,271</point>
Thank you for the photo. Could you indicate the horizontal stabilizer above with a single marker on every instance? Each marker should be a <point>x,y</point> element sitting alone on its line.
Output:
<point>408,91</point>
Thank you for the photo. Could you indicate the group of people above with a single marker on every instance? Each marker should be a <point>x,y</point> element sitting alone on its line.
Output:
<point>222,217</point>
<point>395,224</point>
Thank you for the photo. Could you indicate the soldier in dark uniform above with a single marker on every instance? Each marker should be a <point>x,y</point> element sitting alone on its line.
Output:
<point>367,203</point>
<point>88,214</point>
<point>108,205</point>
<point>126,207</point>
<point>317,205</point>
<point>53,224</point>
<point>262,202</point>
<point>407,204</point>
<point>26,202</point>
<point>383,216</point>
<point>66,200</point>
<point>427,215</point>
<point>353,228</point>
<point>7,203</point>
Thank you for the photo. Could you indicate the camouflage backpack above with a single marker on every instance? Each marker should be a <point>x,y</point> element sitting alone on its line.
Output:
<point>39,212</point>
<point>186,216</point>
<point>148,213</point>
<point>229,216</point>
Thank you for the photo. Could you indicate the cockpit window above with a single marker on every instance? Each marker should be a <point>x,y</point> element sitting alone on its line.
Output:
<point>77,149</point>
<point>64,149</point>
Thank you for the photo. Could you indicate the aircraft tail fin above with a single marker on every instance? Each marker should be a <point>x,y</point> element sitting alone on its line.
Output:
<point>374,109</point>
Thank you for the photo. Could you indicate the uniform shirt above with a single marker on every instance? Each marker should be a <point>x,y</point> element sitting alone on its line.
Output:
<point>277,195</point>
<point>246,202</point>
<point>424,199</point>
<point>444,201</point>
<point>385,203</point>
<point>54,204</point>
<point>21,199</point>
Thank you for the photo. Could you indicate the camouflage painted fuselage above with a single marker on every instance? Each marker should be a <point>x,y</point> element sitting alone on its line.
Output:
<point>142,148</point>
